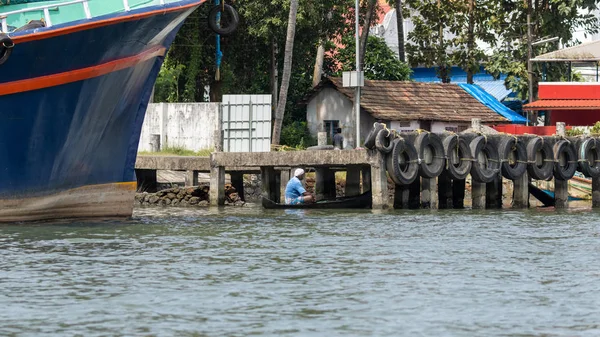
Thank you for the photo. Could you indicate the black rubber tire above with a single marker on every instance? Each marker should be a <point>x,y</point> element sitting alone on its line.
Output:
<point>588,156</point>
<point>370,140</point>
<point>513,168</point>
<point>565,160</point>
<point>6,47</point>
<point>458,157</point>
<point>401,163</point>
<point>540,157</point>
<point>486,161</point>
<point>384,141</point>
<point>432,159</point>
<point>217,28</point>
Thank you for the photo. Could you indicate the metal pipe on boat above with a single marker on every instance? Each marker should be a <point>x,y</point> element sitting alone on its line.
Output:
<point>86,9</point>
<point>47,17</point>
<point>126,5</point>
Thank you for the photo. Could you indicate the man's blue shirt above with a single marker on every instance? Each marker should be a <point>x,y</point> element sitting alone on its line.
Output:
<point>294,189</point>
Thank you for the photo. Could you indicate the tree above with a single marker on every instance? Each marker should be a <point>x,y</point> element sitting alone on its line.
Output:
<point>287,73</point>
<point>380,61</point>
<point>549,19</point>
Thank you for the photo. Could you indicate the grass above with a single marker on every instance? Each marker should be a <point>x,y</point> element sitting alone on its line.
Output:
<point>179,151</point>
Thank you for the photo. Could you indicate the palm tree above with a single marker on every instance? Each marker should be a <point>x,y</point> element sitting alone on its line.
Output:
<point>287,72</point>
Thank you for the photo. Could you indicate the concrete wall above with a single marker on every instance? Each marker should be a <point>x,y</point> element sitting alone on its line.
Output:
<point>329,104</point>
<point>189,125</point>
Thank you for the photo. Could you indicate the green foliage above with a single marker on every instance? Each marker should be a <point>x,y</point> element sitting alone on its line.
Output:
<point>551,18</point>
<point>166,88</point>
<point>296,134</point>
<point>380,61</point>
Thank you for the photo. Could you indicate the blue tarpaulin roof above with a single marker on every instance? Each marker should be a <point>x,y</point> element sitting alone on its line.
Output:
<point>493,86</point>
<point>492,103</point>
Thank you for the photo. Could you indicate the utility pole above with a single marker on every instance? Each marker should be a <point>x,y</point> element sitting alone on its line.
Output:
<point>529,56</point>
<point>357,90</point>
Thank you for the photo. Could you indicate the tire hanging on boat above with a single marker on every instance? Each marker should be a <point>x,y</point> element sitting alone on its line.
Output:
<point>486,161</point>
<point>458,157</point>
<point>370,140</point>
<point>513,157</point>
<point>565,160</point>
<point>431,154</point>
<point>384,141</point>
<point>401,163</point>
<point>588,155</point>
<point>6,47</point>
<point>216,23</point>
<point>540,157</point>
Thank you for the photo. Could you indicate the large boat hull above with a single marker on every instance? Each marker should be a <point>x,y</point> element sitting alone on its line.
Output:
<point>72,106</point>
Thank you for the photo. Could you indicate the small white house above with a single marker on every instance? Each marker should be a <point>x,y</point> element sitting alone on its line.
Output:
<point>402,105</point>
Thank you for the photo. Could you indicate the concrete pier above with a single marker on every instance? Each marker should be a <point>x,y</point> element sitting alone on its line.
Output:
<point>521,192</point>
<point>429,193</point>
<point>217,183</point>
<point>478,195</point>
<point>561,193</point>
<point>493,193</point>
<point>596,192</point>
<point>379,182</point>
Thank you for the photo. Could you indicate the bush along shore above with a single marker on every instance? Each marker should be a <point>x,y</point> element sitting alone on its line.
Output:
<point>197,196</point>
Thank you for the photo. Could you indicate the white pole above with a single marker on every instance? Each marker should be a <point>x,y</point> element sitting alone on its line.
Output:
<point>358,77</point>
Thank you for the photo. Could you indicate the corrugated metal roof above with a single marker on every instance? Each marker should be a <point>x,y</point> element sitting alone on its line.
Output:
<point>589,51</point>
<point>404,101</point>
<point>491,102</point>
<point>563,104</point>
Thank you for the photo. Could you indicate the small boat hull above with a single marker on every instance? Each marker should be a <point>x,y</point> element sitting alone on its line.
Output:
<point>360,201</point>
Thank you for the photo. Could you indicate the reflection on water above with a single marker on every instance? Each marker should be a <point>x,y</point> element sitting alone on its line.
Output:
<point>247,271</point>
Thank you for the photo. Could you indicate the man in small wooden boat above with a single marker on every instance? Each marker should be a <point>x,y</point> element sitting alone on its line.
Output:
<point>295,194</point>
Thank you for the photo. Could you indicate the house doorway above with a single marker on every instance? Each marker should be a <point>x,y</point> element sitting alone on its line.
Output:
<point>330,127</point>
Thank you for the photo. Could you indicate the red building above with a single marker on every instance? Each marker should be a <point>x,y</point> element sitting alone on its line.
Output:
<point>574,103</point>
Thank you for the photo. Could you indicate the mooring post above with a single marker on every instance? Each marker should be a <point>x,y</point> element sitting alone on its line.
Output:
<point>478,194</point>
<point>366,178</point>
<point>325,187</point>
<point>521,191</point>
<point>217,185</point>
<point>285,178</point>
<point>379,181</point>
<point>191,178</point>
<point>445,191</point>
<point>595,192</point>
<point>401,194</point>
<point>561,187</point>
<point>493,193</point>
<point>414,194</point>
<point>237,181</point>
<point>155,142</point>
<point>270,190</point>
<point>352,180</point>
<point>458,193</point>
<point>429,193</point>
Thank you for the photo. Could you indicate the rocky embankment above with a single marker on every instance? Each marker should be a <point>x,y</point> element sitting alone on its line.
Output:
<point>186,196</point>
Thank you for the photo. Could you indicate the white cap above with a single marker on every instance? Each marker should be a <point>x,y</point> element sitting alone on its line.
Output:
<point>298,172</point>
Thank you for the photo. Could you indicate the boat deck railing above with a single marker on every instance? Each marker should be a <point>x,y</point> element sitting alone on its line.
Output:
<point>46,10</point>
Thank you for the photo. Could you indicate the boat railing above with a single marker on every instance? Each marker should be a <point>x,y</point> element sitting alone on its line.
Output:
<point>46,10</point>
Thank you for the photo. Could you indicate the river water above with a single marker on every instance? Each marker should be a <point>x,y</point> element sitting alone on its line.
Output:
<point>247,271</point>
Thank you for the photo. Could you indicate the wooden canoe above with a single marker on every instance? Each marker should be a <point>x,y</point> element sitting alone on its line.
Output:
<point>360,201</point>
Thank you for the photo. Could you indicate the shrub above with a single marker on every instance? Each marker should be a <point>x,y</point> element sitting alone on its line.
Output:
<point>297,135</point>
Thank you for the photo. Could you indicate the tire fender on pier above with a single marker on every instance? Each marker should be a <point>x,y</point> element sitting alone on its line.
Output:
<point>486,161</point>
<point>540,157</point>
<point>370,140</point>
<point>513,157</point>
<point>6,47</point>
<point>565,160</point>
<point>588,156</point>
<point>458,157</point>
<point>431,154</point>
<point>384,141</point>
<point>401,163</point>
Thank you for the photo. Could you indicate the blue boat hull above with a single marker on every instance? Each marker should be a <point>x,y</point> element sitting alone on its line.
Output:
<point>71,112</point>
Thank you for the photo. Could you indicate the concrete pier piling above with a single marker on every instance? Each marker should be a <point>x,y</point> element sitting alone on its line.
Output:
<point>428,169</point>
